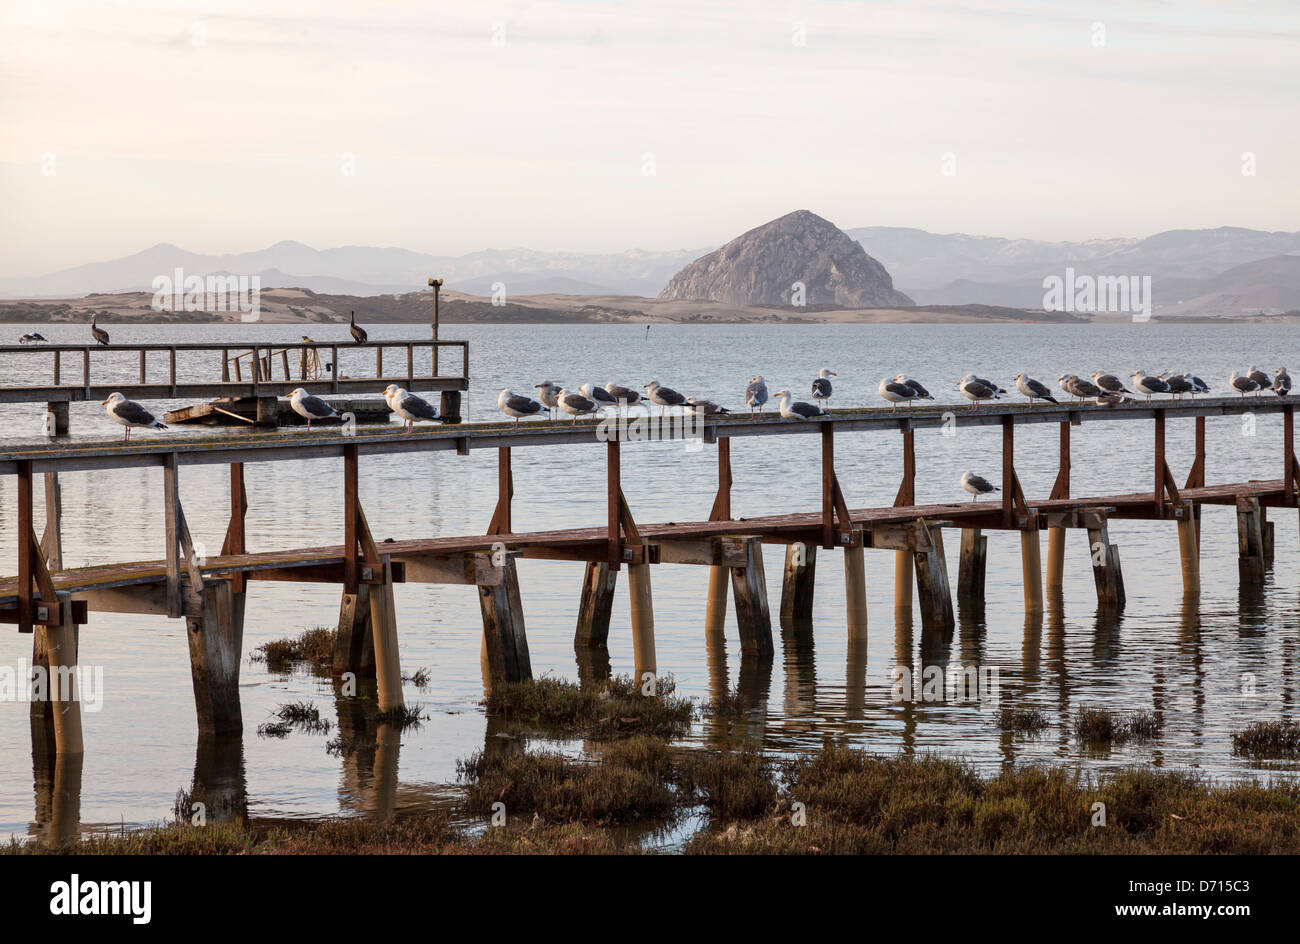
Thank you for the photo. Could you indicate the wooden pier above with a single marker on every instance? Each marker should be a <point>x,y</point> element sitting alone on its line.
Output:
<point>209,593</point>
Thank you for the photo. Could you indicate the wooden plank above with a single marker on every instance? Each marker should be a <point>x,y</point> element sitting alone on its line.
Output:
<point>722,502</point>
<point>501,523</point>
<point>171,515</point>
<point>350,505</point>
<point>906,496</point>
<point>25,563</point>
<point>613,501</point>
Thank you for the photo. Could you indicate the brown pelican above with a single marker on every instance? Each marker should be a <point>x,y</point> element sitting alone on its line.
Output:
<point>358,333</point>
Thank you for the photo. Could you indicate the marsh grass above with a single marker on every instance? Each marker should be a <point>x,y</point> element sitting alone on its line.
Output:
<point>315,647</point>
<point>403,716</point>
<point>274,729</point>
<point>1022,720</point>
<point>419,678</point>
<point>304,716</point>
<point>1268,740</point>
<point>611,708</point>
<point>1099,727</point>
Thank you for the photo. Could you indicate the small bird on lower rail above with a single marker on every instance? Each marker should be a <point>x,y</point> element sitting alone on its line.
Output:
<point>977,485</point>
<point>310,407</point>
<point>129,413</point>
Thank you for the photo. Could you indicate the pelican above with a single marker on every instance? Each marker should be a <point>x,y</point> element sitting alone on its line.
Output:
<point>1148,385</point>
<point>358,333</point>
<point>756,394</point>
<point>98,333</point>
<point>546,391</point>
<point>921,392</point>
<point>798,410</point>
<point>575,404</point>
<point>513,404</point>
<point>1109,382</point>
<point>1281,382</point>
<point>821,387</point>
<point>408,406</point>
<point>975,390</point>
<point>977,485</point>
<point>896,392</point>
<point>1242,385</point>
<point>129,413</point>
<point>1033,389</point>
<point>664,396</point>
<point>309,407</point>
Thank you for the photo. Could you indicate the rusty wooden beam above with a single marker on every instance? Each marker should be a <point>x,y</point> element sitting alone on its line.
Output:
<point>722,503</point>
<point>350,517</point>
<point>25,563</point>
<point>501,521</point>
<point>1008,470</point>
<point>234,542</point>
<point>828,480</point>
<point>1061,488</point>
<point>907,488</point>
<point>613,504</point>
<point>1288,453</point>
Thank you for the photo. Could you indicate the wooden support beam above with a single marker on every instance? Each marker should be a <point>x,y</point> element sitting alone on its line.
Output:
<point>971,567</point>
<point>906,496</point>
<point>350,505</point>
<point>182,600</point>
<point>1189,550</point>
<point>505,640</point>
<point>903,567</point>
<point>641,601</point>
<point>1196,476</point>
<point>932,578</point>
<point>715,607</point>
<point>613,503</point>
<point>501,521</point>
<point>1008,470</point>
<point>722,502</point>
<point>26,562</point>
<point>59,645</point>
<point>52,537</point>
<point>354,645</point>
<point>1106,571</point>
<point>383,630</point>
<point>798,583</point>
<point>749,588</point>
<point>596,604</point>
<point>1250,541</point>
<point>1056,535</point>
<point>234,542</point>
<point>216,637</point>
<point>1290,471</point>
<point>855,589</point>
<point>1031,570</point>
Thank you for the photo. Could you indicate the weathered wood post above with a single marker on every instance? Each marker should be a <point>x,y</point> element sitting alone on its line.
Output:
<point>932,577</point>
<point>354,645</point>
<point>1106,571</point>
<point>1055,578</point>
<point>643,621</point>
<point>1031,569</point>
<point>216,638</point>
<point>505,641</point>
<point>749,587</point>
<point>56,418</point>
<point>59,646</point>
<point>1250,541</point>
<point>855,586</point>
<point>383,625</point>
<point>596,604</point>
<point>903,559</point>
<point>971,567</point>
<point>715,612</point>
<point>798,582</point>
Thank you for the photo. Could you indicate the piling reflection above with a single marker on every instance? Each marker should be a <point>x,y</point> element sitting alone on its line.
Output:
<point>220,783</point>
<point>593,665</point>
<point>57,786</point>
<point>797,650</point>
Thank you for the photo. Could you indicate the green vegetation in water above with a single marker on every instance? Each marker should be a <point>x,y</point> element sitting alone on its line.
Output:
<point>403,716</point>
<point>1268,739</point>
<point>304,716</point>
<point>419,678</point>
<point>603,709</point>
<point>1023,720</point>
<point>315,647</point>
<point>274,729</point>
<point>1097,726</point>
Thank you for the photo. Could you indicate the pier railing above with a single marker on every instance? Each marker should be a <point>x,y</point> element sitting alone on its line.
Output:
<point>167,371</point>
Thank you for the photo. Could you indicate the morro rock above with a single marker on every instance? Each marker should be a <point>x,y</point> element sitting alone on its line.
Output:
<point>761,267</point>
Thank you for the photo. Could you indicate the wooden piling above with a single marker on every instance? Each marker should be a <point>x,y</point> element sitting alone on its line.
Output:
<point>643,622</point>
<point>749,588</point>
<point>383,628</point>
<point>903,580</point>
<point>505,642</point>
<point>797,584</point>
<point>56,418</point>
<point>932,578</point>
<point>52,537</point>
<point>1106,572</point>
<point>1031,569</point>
<point>354,644</point>
<point>1250,541</point>
<point>1055,578</point>
<point>855,588</point>
<point>971,567</point>
<point>596,604</point>
<point>1189,550</point>
<point>216,638</point>
<point>715,610</point>
<point>59,645</point>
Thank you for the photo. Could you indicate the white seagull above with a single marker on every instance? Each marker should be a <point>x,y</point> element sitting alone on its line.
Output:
<point>575,404</point>
<point>546,391</point>
<point>310,407</point>
<point>517,405</point>
<point>701,407</point>
<point>1109,382</point>
<point>664,396</point>
<point>1281,382</point>
<point>1033,389</point>
<point>408,406</point>
<point>921,392</point>
<point>797,410</point>
<point>129,413</point>
<point>975,390</point>
<point>821,387</point>
<point>1243,385</point>
<point>1261,378</point>
<point>1147,385</point>
<point>896,393</point>
<point>756,394</point>
<point>598,395</point>
<point>624,395</point>
<point>977,485</point>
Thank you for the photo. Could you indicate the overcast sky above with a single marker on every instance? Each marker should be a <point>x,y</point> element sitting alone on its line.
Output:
<point>604,126</point>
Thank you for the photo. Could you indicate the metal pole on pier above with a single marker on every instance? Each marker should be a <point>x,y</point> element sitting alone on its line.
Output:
<point>435,284</point>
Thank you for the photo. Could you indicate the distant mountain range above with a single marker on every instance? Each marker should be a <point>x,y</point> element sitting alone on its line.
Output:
<point>1223,271</point>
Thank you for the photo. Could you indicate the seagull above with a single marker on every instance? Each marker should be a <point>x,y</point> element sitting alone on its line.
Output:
<point>546,391</point>
<point>129,413</point>
<point>1033,389</point>
<point>921,392</point>
<point>408,406</point>
<point>312,408</point>
<point>1242,385</point>
<point>798,410</point>
<point>1281,382</point>
<point>625,395</point>
<point>99,334</point>
<point>703,407</point>
<point>977,485</point>
<point>1148,385</point>
<point>821,387</point>
<point>1109,382</point>
<point>1261,378</point>
<point>1082,388</point>
<point>1178,384</point>
<point>896,392</point>
<point>756,394</point>
<point>988,383</point>
<point>513,404</point>
<point>664,396</point>
<point>1198,385</point>
<point>975,390</point>
<point>1063,382</point>
<point>575,404</point>
<point>32,338</point>
<point>598,395</point>
<point>1111,398</point>
<point>358,333</point>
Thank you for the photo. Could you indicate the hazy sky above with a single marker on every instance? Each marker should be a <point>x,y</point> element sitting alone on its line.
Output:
<point>603,126</point>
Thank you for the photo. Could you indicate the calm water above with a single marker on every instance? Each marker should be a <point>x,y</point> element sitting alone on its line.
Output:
<point>1184,662</point>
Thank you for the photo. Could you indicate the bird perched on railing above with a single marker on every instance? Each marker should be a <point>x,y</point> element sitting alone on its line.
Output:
<point>821,387</point>
<point>408,406</point>
<point>701,407</point>
<point>1178,384</point>
<point>1033,389</point>
<point>975,390</point>
<point>517,405</point>
<point>358,333</point>
<point>1083,389</point>
<point>797,410</point>
<point>546,391</point>
<point>1110,398</point>
<point>999,390</point>
<point>1198,385</point>
<point>1261,378</point>
<point>575,404</point>
<point>598,395</point>
<point>1243,385</point>
<point>1281,382</point>
<point>664,396</point>
<point>977,485</point>
<point>896,392</point>
<point>32,338</point>
<point>1109,382</point>
<point>98,333</point>
<point>624,395</point>
<point>129,414</point>
<point>921,392</point>
<point>1147,386</point>
<point>756,394</point>
<point>310,407</point>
